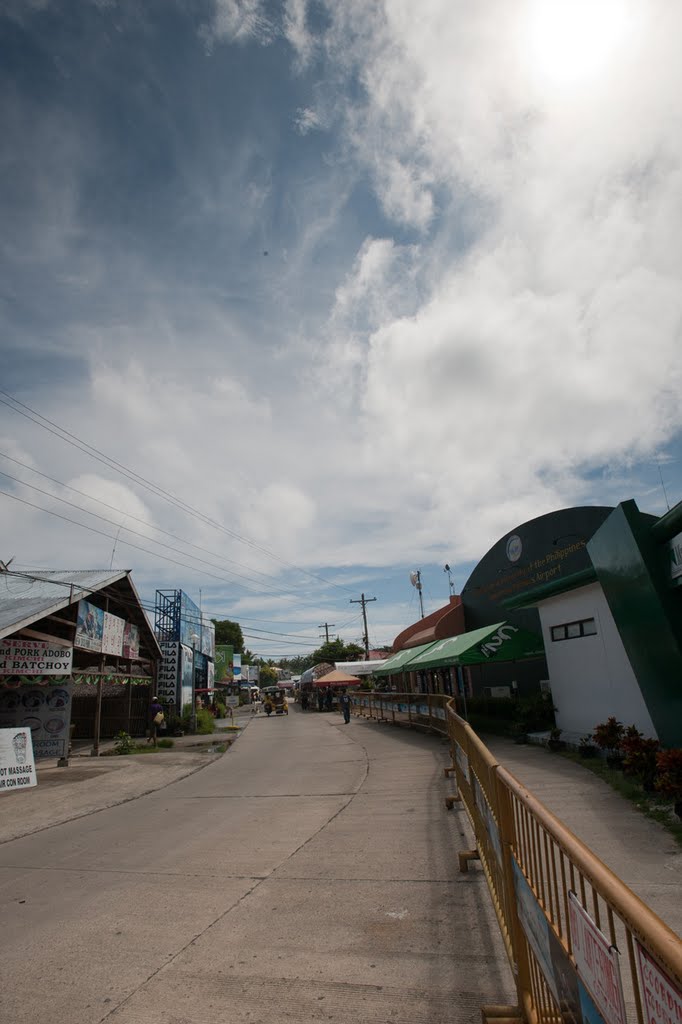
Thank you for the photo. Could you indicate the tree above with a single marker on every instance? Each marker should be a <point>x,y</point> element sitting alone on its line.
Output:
<point>228,632</point>
<point>268,676</point>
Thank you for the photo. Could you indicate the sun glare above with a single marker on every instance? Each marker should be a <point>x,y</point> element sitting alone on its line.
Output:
<point>572,42</point>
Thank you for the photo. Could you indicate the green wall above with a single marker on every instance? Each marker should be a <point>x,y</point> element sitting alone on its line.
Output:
<point>632,568</point>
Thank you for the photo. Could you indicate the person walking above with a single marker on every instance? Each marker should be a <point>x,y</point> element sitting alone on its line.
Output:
<point>156,717</point>
<point>344,701</point>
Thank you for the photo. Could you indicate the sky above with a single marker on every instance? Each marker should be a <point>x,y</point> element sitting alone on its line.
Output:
<point>299,297</point>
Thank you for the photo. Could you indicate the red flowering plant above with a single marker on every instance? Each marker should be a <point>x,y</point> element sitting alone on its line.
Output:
<point>669,777</point>
<point>640,757</point>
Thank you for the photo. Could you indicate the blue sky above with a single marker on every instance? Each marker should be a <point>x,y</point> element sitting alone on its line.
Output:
<point>364,284</point>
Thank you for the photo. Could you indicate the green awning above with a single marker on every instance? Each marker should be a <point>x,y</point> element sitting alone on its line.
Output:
<point>501,642</point>
<point>397,662</point>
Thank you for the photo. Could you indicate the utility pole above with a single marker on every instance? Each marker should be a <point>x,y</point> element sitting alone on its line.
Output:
<point>364,601</point>
<point>326,626</point>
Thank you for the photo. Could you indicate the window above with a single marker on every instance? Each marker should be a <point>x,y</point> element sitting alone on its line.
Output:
<point>571,630</point>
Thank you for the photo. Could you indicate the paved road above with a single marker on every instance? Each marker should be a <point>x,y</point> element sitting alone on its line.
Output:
<point>309,874</point>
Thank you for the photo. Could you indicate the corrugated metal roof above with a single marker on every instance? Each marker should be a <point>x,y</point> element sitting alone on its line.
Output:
<point>25,599</point>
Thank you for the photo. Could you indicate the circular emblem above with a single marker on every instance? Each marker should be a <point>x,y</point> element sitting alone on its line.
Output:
<point>514,548</point>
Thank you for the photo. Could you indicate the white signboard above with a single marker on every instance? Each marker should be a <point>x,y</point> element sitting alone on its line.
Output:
<point>597,963</point>
<point>232,701</point>
<point>661,998</point>
<point>462,761</point>
<point>17,766</point>
<point>34,658</point>
<point>112,635</point>
<point>167,680</point>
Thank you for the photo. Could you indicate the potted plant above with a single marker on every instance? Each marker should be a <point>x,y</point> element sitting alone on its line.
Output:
<point>586,748</point>
<point>555,742</point>
<point>608,736</point>
<point>669,778</point>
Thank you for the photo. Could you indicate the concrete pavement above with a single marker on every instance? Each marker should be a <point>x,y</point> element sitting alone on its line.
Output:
<point>308,874</point>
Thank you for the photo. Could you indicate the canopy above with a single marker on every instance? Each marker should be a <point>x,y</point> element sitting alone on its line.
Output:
<point>337,678</point>
<point>397,662</point>
<point>500,642</point>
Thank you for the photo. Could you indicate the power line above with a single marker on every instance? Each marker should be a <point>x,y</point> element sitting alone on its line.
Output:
<point>112,463</point>
<point>273,590</point>
<point>128,515</point>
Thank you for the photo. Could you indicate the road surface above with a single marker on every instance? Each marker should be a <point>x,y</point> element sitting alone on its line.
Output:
<point>308,874</point>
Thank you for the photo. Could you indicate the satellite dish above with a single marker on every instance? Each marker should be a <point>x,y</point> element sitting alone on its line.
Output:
<point>414,579</point>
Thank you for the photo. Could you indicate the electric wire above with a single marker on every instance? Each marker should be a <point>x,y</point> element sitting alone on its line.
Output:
<point>112,463</point>
<point>127,515</point>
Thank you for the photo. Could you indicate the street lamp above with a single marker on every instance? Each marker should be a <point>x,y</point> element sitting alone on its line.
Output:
<point>194,637</point>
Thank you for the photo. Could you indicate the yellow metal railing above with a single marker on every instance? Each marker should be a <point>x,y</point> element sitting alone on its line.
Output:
<point>582,946</point>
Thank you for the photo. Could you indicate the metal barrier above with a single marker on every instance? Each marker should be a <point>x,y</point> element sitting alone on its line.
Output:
<point>582,946</point>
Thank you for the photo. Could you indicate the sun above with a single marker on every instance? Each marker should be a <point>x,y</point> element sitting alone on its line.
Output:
<point>569,43</point>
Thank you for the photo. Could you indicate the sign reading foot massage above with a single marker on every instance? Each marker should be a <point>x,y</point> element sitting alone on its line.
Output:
<point>17,766</point>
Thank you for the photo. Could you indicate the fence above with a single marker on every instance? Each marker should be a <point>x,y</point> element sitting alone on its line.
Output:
<point>582,947</point>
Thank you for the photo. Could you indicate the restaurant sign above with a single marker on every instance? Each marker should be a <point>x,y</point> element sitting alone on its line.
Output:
<point>597,962</point>
<point>34,658</point>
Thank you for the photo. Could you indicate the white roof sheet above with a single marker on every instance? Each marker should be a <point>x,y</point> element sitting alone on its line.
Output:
<point>24,598</point>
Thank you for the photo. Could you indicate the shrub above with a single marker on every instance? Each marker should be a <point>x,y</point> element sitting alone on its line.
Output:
<point>640,758</point>
<point>669,767</point>
<point>608,735</point>
<point>205,722</point>
<point>165,743</point>
<point>124,743</point>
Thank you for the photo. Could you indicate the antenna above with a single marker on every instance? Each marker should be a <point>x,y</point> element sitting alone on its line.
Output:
<point>451,585</point>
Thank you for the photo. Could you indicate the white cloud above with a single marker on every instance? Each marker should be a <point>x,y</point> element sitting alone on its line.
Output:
<point>238,21</point>
<point>296,32</point>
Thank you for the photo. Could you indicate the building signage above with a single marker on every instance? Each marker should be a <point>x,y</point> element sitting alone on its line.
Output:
<point>223,663</point>
<point>112,634</point>
<point>494,642</point>
<point>167,679</point>
<point>44,709</point>
<point>131,641</point>
<point>237,667</point>
<point>90,627</point>
<point>675,549</point>
<point>661,998</point>
<point>34,658</point>
<point>597,962</point>
<point>186,675</point>
<point>17,764</point>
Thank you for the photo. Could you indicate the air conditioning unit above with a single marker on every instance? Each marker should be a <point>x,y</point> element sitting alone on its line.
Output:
<point>501,692</point>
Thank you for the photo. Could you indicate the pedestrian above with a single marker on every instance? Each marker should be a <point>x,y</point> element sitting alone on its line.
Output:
<point>329,699</point>
<point>344,701</point>
<point>320,700</point>
<point>156,717</point>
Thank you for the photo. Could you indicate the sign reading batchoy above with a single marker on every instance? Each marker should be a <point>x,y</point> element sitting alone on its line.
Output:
<point>34,658</point>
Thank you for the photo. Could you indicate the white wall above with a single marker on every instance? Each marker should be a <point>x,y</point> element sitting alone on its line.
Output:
<point>591,676</point>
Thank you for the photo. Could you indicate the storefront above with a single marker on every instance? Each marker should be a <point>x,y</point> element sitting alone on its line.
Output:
<point>78,657</point>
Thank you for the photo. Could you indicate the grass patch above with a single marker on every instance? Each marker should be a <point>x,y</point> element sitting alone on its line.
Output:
<point>652,805</point>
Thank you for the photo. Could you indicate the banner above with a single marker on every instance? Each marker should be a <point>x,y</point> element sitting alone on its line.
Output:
<point>112,634</point>
<point>34,658</point>
<point>131,641</point>
<point>90,627</point>
<point>223,663</point>
<point>208,639</point>
<point>186,672</point>
<point>597,963</point>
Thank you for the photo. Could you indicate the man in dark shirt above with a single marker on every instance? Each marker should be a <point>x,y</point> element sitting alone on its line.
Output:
<point>344,701</point>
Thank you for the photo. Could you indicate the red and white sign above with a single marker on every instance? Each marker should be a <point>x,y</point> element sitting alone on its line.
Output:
<point>597,962</point>
<point>34,658</point>
<point>661,998</point>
